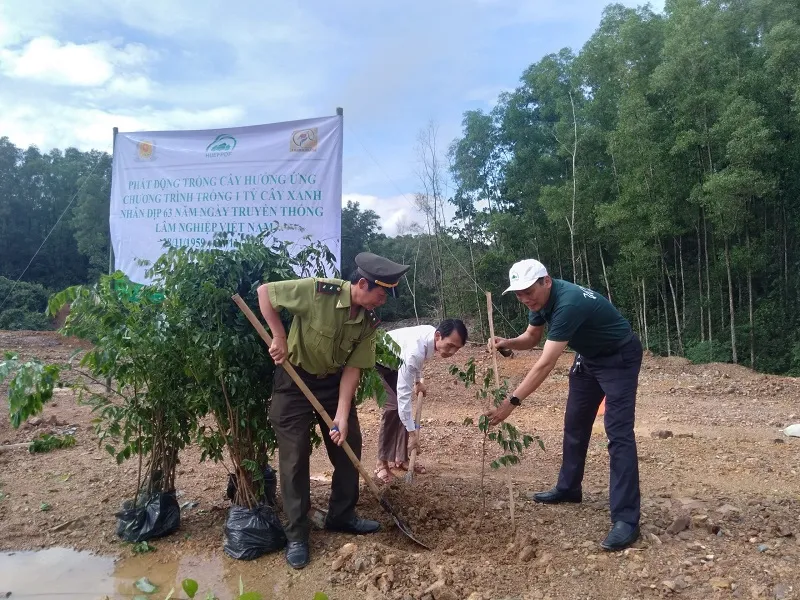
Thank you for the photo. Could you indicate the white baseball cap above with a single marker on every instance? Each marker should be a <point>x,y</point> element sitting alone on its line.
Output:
<point>524,274</point>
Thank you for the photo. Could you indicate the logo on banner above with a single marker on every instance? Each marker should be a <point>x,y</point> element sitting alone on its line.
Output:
<point>303,140</point>
<point>145,150</point>
<point>221,147</point>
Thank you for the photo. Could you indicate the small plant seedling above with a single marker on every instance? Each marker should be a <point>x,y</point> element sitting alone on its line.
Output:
<point>143,548</point>
<point>510,440</point>
<point>44,507</point>
<point>48,443</point>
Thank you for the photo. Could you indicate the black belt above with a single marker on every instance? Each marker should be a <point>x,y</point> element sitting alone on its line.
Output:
<point>307,376</point>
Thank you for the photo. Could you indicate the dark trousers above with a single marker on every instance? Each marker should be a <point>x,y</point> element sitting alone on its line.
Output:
<point>617,377</point>
<point>291,416</point>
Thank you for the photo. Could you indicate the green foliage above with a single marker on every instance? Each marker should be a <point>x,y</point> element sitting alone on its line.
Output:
<point>359,230</point>
<point>147,414</point>
<point>190,587</point>
<point>706,352</point>
<point>387,353</point>
<point>142,548</point>
<point>36,194</point>
<point>227,364</point>
<point>22,306</point>
<point>30,385</point>
<point>657,164</point>
<point>511,441</point>
<point>47,442</point>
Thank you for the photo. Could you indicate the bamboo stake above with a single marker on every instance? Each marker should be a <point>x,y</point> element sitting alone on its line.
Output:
<point>497,383</point>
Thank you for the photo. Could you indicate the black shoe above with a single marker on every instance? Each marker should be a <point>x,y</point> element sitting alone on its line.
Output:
<point>297,554</point>
<point>556,496</point>
<point>354,525</point>
<point>621,536</point>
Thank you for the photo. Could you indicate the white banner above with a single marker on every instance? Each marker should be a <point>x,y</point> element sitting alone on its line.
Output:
<point>185,186</point>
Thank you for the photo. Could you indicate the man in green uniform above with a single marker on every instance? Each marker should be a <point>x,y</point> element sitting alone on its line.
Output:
<point>608,356</point>
<point>332,337</point>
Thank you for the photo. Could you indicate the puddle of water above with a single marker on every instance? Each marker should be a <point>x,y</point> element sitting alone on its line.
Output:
<point>67,574</point>
<point>42,574</point>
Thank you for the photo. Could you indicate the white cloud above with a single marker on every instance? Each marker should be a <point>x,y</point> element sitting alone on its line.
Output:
<point>51,124</point>
<point>22,21</point>
<point>397,213</point>
<point>135,86</point>
<point>46,60</point>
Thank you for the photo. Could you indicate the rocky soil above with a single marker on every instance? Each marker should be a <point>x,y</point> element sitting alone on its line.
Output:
<point>721,495</point>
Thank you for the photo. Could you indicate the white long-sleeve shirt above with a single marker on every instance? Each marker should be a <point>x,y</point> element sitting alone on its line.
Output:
<point>417,345</point>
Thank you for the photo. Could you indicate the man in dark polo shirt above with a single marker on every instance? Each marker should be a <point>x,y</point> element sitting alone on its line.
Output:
<point>608,356</point>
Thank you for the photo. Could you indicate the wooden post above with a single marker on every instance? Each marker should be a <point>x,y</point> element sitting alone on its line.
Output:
<point>497,383</point>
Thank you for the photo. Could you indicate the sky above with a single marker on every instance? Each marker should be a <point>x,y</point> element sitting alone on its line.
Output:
<point>72,70</point>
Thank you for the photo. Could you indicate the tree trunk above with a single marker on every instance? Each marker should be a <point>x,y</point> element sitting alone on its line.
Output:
<point>785,254</point>
<point>663,292</point>
<point>638,300</point>
<point>683,285</point>
<point>477,295</point>
<point>644,316</point>
<point>441,270</point>
<point>558,257</point>
<point>730,300</point>
<point>739,290</point>
<point>700,284</point>
<point>605,275</point>
<point>674,304</point>
<point>708,281</point>
<point>750,302</point>
<point>586,263</point>
<point>414,290</point>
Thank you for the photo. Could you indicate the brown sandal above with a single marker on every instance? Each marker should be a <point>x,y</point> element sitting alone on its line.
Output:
<point>387,474</point>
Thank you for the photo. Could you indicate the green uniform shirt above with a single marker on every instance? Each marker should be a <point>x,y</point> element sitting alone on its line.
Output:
<point>583,318</point>
<point>323,338</point>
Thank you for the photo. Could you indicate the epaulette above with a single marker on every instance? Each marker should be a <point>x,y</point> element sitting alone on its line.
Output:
<point>328,288</point>
<point>372,318</point>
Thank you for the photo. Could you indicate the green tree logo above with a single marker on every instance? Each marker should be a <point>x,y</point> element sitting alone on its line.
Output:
<point>222,145</point>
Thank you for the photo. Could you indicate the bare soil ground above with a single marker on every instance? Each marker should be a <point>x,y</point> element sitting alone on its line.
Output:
<point>721,496</point>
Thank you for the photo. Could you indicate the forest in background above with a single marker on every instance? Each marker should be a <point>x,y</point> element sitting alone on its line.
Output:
<point>658,165</point>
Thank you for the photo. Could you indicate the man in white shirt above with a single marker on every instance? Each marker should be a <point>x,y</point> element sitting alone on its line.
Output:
<point>398,432</point>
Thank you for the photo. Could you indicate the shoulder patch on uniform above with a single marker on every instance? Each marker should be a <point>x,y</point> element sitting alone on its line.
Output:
<point>372,319</point>
<point>328,288</point>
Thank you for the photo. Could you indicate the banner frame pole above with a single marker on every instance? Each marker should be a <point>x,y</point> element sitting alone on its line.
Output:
<point>110,193</point>
<point>110,244</point>
<point>340,114</point>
